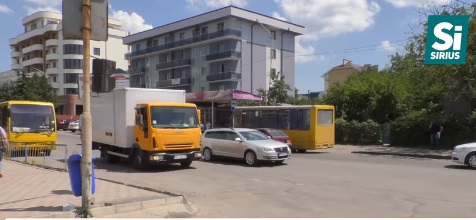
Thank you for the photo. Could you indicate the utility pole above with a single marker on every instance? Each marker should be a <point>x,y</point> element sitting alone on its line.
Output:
<point>86,159</point>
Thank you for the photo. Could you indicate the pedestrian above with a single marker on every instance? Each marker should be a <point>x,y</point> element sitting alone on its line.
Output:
<point>435,133</point>
<point>3,147</point>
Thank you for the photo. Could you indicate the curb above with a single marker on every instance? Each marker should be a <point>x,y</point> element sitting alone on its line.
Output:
<point>429,156</point>
<point>120,208</point>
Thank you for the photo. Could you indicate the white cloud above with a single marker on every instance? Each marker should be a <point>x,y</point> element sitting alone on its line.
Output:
<point>278,16</point>
<point>304,54</point>
<point>388,46</point>
<point>5,9</point>
<point>331,17</point>
<point>131,22</point>
<point>203,4</point>
<point>416,3</point>
<point>43,5</point>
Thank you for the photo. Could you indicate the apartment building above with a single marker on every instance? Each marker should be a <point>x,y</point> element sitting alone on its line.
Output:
<point>42,49</point>
<point>225,49</point>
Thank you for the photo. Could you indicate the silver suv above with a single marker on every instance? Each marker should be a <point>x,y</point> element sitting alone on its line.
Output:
<point>250,144</point>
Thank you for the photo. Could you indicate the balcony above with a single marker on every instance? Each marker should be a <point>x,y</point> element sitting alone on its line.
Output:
<point>33,47</point>
<point>52,71</point>
<point>15,54</point>
<point>138,70</point>
<point>174,82</point>
<point>225,76</point>
<point>52,56</point>
<point>16,66</point>
<point>185,42</point>
<point>52,42</point>
<point>174,64</point>
<point>29,62</point>
<point>223,55</point>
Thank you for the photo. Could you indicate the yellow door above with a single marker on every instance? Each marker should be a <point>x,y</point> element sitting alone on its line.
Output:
<point>141,130</point>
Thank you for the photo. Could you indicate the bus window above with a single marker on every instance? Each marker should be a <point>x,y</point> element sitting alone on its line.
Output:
<point>250,119</point>
<point>303,122</point>
<point>283,120</point>
<point>268,119</point>
<point>325,117</point>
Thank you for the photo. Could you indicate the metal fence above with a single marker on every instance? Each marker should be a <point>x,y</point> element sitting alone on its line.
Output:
<point>39,154</point>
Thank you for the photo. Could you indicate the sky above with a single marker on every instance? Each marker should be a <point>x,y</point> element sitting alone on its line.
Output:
<point>363,31</point>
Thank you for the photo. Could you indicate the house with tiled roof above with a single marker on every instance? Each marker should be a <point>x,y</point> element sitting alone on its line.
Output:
<point>340,73</point>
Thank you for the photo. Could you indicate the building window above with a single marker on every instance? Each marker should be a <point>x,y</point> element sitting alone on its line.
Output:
<point>273,53</point>
<point>53,79</point>
<point>33,26</point>
<point>273,73</point>
<point>182,36</point>
<point>273,35</point>
<point>205,30</point>
<point>72,49</point>
<point>70,78</point>
<point>69,91</point>
<point>137,47</point>
<point>72,64</point>
<point>220,26</point>
<point>156,42</point>
<point>51,22</point>
<point>97,51</point>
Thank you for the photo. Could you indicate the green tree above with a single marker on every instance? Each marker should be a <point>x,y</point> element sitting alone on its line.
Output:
<point>35,88</point>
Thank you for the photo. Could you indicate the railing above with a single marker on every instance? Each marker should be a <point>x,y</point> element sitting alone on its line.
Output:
<point>53,156</point>
<point>174,82</point>
<point>138,85</point>
<point>223,55</point>
<point>184,42</point>
<point>138,70</point>
<point>174,63</point>
<point>224,76</point>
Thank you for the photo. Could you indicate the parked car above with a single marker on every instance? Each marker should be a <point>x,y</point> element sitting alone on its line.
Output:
<point>276,135</point>
<point>465,154</point>
<point>63,124</point>
<point>249,144</point>
<point>73,126</point>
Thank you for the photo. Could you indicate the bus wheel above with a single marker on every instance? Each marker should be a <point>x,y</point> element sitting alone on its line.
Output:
<point>301,151</point>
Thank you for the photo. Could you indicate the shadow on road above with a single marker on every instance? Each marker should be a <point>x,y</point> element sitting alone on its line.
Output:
<point>62,192</point>
<point>127,167</point>
<point>240,162</point>
<point>458,167</point>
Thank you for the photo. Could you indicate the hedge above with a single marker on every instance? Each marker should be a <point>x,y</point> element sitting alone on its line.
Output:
<point>413,130</point>
<point>357,133</point>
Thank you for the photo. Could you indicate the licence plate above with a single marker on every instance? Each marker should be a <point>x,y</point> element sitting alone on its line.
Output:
<point>282,154</point>
<point>177,157</point>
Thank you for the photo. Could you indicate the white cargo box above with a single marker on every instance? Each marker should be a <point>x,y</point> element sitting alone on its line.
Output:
<point>113,114</point>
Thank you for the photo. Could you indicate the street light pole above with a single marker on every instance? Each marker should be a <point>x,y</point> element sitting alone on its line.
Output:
<point>86,160</point>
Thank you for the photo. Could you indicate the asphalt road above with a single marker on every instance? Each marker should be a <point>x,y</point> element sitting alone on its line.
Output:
<point>316,184</point>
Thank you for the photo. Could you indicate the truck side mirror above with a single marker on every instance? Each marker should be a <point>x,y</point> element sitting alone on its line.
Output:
<point>139,120</point>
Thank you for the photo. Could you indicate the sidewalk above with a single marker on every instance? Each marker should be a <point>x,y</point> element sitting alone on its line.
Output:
<point>27,191</point>
<point>394,151</point>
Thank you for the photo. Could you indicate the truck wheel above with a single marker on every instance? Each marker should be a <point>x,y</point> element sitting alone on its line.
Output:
<point>138,160</point>
<point>186,164</point>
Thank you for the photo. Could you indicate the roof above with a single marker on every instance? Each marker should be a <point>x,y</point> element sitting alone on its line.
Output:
<point>231,129</point>
<point>344,66</point>
<point>229,11</point>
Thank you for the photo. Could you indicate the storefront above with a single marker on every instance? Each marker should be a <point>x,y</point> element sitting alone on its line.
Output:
<point>216,106</point>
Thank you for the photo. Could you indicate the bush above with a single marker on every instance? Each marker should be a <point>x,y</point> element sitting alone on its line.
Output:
<point>358,133</point>
<point>413,130</point>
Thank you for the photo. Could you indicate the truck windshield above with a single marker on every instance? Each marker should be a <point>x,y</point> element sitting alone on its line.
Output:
<point>174,117</point>
<point>31,118</point>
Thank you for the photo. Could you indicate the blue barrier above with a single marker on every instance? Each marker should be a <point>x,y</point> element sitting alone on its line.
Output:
<point>74,169</point>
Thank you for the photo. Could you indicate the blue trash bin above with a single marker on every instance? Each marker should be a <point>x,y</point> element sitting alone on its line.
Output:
<point>74,168</point>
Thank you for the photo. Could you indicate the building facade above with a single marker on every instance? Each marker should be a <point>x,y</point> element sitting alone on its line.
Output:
<point>226,49</point>
<point>42,49</point>
<point>340,73</point>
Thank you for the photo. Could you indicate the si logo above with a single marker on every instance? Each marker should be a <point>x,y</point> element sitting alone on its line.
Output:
<point>447,39</point>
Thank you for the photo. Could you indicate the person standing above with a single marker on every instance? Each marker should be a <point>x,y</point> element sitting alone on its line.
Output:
<point>3,147</point>
<point>435,132</point>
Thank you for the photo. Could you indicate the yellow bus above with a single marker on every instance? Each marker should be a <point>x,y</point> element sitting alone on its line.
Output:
<point>310,127</point>
<point>29,123</point>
